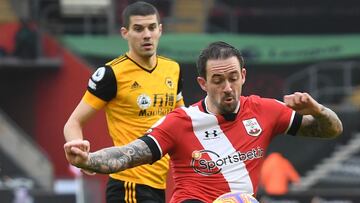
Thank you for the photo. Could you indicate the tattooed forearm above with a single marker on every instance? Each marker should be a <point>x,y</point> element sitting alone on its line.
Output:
<point>114,159</point>
<point>325,125</point>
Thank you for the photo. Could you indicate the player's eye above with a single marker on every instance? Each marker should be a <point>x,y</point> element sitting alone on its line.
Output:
<point>152,27</point>
<point>217,80</point>
<point>234,78</point>
<point>138,28</point>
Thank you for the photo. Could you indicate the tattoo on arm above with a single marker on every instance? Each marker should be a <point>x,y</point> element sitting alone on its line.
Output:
<point>114,159</point>
<point>325,125</point>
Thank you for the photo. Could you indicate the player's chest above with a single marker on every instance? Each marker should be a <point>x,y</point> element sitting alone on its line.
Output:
<point>248,127</point>
<point>147,89</point>
<point>224,145</point>
<point>243,133</point>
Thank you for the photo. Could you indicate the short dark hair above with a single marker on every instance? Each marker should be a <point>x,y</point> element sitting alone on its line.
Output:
<point>140,8</point>
<point>217,50</point>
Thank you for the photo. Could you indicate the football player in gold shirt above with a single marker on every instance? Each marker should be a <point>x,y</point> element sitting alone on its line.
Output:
<point>136,89</point>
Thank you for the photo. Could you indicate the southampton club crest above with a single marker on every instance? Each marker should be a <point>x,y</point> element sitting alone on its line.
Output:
<point>252,127</point>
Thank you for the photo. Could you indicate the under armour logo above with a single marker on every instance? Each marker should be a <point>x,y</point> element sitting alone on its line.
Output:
<point>209,135</point>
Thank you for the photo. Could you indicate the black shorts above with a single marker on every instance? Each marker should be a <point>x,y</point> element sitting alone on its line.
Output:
<point>118,191</point>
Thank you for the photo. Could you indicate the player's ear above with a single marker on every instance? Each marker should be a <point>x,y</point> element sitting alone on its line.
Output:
<point>243,75</point>
<point>202,83</point>
<point>123,32</point>
<point>160,28</point>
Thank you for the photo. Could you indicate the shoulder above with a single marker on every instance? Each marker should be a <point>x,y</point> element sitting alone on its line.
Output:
<point>168,61</point>
<point>181,114</point>
<point>118,62</point>
<point>257,102</point>
<point>103,73</point>
<point>174,118</point>
<point>102,83</point>
<point>252,100</point>
<point>178,112</point>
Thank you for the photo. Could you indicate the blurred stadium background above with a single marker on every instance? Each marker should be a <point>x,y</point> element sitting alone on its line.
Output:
<point>289,46</point>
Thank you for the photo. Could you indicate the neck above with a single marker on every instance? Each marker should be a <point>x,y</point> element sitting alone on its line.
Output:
<point>146,62</point>
<point>207,106</point>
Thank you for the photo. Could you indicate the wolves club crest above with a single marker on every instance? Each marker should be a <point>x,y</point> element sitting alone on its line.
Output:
<point>169,83</point>
<point>252,127</point>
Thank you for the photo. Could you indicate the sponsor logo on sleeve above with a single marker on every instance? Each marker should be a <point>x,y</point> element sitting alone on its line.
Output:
<point>96,77</point>
<point>91,84</point>
<point>98,74</point>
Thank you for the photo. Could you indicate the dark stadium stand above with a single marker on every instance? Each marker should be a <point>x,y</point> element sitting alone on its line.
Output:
<point>42,63</point>
<point>285,17</point>
<point>344,171</point>
<point>8,196</point>
<point>9,170</point>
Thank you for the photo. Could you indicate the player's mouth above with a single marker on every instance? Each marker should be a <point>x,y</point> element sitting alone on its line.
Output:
<point>229,100</point>
<point>147,46</point>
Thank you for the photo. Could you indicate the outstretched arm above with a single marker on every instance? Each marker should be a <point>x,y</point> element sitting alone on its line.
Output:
<point>108,160</point>
<point>318,120</point>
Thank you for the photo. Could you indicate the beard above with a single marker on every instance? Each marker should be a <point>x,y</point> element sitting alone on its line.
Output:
<point>226,108</point>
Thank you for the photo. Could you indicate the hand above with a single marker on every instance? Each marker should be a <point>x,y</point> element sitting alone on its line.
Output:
<point>77,152</point>
<point>303,103</point>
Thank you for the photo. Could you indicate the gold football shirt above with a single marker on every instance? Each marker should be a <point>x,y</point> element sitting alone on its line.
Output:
<point>134,98</point>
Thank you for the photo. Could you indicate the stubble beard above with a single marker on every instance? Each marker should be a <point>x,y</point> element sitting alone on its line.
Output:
<point>227,108</point>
